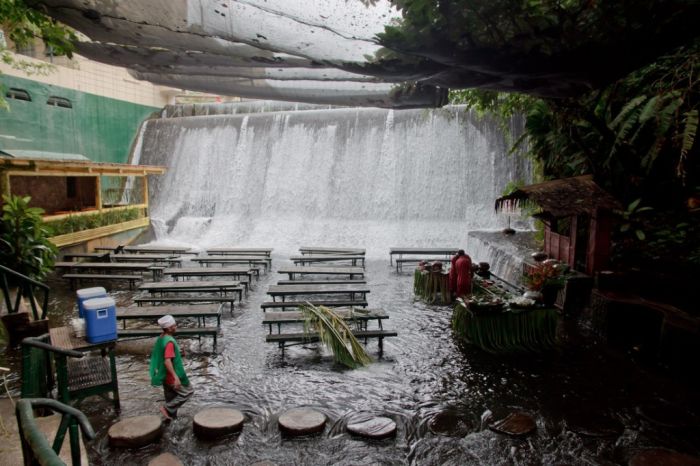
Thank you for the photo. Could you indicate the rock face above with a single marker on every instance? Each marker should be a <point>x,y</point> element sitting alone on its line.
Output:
<point>135,432</point>
<point>302,421</point>
<point>374,428</point>
<point>216,422</point>
<point>165,459</point>
<point>516,424</point>
<point>658,456</point>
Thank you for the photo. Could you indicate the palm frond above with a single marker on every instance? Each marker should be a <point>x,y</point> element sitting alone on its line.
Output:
<point>335,334</point>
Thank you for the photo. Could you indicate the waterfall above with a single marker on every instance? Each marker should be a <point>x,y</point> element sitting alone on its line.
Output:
<point>327,177</point>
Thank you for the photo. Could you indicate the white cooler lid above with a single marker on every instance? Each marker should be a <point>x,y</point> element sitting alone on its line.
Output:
<point>91,292</point>
<point>98,303</point>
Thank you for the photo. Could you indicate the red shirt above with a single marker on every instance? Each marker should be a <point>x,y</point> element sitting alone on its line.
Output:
<point>169,354</point>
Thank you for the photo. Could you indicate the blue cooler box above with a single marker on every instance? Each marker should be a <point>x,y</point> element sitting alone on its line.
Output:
<point>100,320</point>
<point>88,293</point>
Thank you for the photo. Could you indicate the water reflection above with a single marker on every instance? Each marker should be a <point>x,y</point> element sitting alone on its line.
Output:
<point>435,390</point>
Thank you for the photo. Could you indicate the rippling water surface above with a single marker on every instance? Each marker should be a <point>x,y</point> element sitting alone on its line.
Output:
<point>437,391</point>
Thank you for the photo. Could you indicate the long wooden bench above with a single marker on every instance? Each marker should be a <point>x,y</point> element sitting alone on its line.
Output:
<point>294,304</point>
<point>354,316</point>
<point>75,278</point>
<point>282,338</point>
<point>416,260</point>
<point>322,282</point>
<point>181,332</point>
<point>187,299</point>
<point>199,311</point>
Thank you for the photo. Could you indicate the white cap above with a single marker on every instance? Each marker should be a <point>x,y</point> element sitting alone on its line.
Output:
<point>166,321</point>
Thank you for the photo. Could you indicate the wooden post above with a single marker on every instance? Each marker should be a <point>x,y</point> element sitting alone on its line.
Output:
<point>145,194</point>
<point>98,192</point>
<point>5,181</point>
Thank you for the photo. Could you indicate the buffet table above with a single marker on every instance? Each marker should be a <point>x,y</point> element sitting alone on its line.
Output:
<point>432,287</point>
<point>506,329</point>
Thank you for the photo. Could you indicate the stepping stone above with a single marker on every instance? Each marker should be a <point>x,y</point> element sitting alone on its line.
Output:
<point>451,423</point>
<point>515,424</point>
<point>135,431</point>
<point>657,456</point>
<point>592,424</point>
<point>374,428</point>
<point>216,422</point>
<point>165,459</point>
<point>302,421</point>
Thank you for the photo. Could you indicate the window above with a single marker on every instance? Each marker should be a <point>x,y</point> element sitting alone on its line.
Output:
<point>18,94</point>
<point>59,102</point>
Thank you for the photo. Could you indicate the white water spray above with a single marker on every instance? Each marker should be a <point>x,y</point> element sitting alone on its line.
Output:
<point>335,177</point>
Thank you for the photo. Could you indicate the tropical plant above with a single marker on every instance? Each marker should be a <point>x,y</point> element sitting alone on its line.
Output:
<point>335,334</point>
<point>75,223</point>
<point>24,243</point>
<point>543,274</point>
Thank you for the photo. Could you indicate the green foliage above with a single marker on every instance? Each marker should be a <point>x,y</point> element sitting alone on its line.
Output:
<point>23,24</point>
<point>336,335</point>
<point>24,243</point>
<point>75,223</point>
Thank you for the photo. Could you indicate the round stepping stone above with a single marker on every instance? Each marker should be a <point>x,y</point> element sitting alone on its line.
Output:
<point>515,424</point>
<point>374,428</point>
<point>656,456</point>
<point>135,431</point>
<point>215,422</point>
<point>451,424</point>
<point>591,424</point>
<point>302,421</point>
<point>165,459</point>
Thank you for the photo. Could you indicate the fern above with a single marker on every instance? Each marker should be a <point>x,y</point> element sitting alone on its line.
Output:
<point>627,109</point>
<point>690,129</point>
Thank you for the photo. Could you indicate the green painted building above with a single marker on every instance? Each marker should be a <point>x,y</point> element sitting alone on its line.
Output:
<point>53,120</point>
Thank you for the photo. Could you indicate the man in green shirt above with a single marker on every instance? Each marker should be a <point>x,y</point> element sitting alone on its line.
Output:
<point>167,370</point>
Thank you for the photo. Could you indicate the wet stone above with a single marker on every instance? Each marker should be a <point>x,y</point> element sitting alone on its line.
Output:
<point>516,424</point>
<point>216,422</point>
<point>263,463</point>
<point>135,431</point>
<point>660,456</point>
<point>591,424</point>
<point>374,428</point>
<point>302,421</point>
<point>451,424</point>
<point>165,459</point>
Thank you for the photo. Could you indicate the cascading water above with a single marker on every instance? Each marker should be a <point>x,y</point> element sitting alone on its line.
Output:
<point>333,177</point>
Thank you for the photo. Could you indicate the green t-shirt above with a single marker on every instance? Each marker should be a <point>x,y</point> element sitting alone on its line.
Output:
<point>157,366</point>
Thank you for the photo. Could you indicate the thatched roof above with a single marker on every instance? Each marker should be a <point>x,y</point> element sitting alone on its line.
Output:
<point>561,198</point>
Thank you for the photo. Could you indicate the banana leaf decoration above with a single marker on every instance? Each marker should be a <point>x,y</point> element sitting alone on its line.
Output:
<point>429,285</point>
<point>503,332</point>
<point>335,334</point>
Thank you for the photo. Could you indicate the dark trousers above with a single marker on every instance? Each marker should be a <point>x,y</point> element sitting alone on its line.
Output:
<point>176,397</point>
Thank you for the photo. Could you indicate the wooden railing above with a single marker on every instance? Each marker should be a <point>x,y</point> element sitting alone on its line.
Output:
<point>25,287</point>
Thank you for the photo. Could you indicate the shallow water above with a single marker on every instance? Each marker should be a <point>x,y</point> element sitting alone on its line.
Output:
<point>435,389</point>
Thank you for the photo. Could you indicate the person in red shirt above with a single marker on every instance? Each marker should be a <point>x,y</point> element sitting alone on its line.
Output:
<point>166,369</point>
<point>463,273</point>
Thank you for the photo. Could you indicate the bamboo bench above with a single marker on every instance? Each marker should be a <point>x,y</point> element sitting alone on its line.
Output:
<point>181,332</point>
<point>322,282</point>
<point>188,299</point>
<point>300,338</point>
<point>75,278</point>
<point>416,260</point>
<point>293,304</point>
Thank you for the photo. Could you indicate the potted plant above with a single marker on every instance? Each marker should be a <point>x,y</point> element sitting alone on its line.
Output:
<point>548,278</point>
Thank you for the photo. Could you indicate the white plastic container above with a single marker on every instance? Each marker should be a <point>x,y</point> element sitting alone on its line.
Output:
<point>88,293</point>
